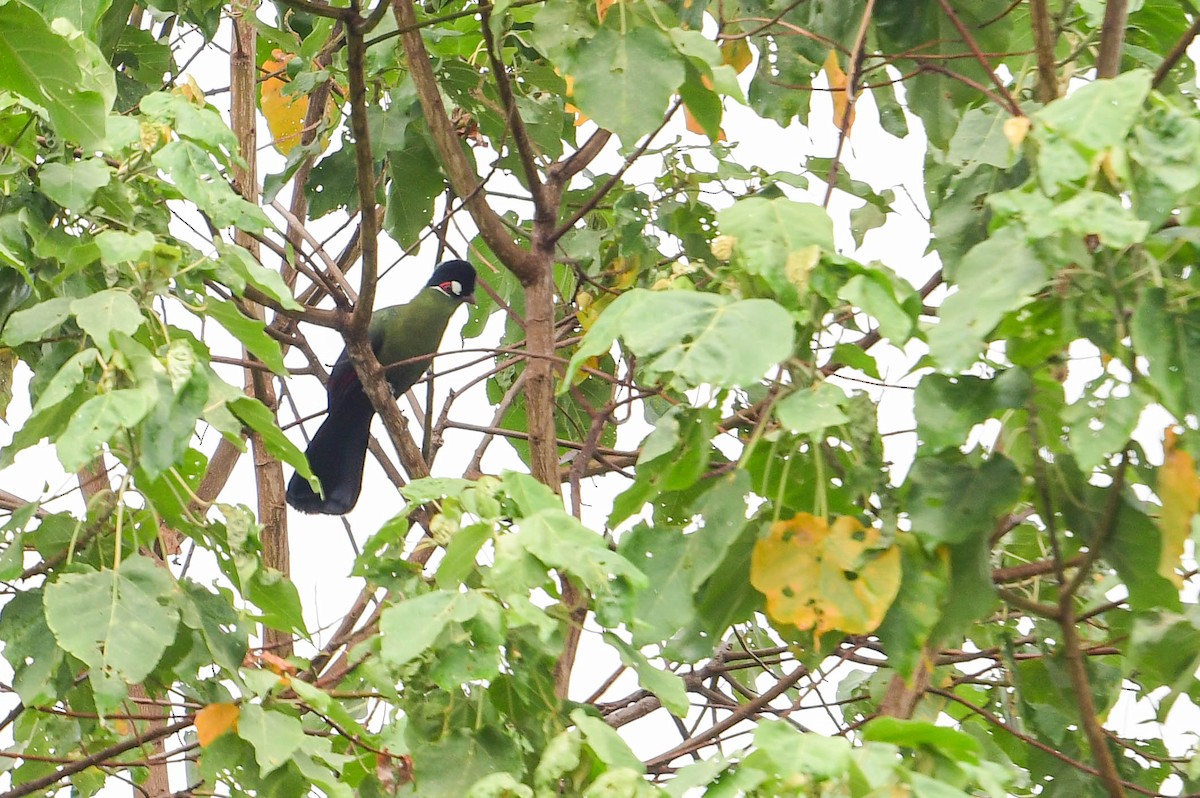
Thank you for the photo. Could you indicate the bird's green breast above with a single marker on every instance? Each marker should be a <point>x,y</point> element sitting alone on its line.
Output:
<point>401,332</point>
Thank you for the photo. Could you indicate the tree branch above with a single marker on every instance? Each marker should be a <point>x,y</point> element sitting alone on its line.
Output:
<point>969,40</point>
<point>365,167</point>
<point>138,740</point>
<point>459,171</point>
<point>1043,42</point>
<point>1112,38</point>
<point>1177,52</point>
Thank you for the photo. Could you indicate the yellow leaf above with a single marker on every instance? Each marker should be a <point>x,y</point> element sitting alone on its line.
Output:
<point>1179,491</point>
<point>800,264</point>
<point>214,720</point>
<point>191,90</point>
<point>822,578</point>
<point>1015,130</point>
<point>723,246</point>
<point>152,135</point>
<point>8,362</point>
<point>737,53</point>
<point>284,113</point>
<point>843,112</point>
<point>626,271</point>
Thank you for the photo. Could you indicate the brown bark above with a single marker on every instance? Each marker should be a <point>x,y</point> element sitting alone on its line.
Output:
<point>268,471</point>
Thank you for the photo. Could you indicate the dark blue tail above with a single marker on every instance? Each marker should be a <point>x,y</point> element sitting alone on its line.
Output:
<point>337,454</point>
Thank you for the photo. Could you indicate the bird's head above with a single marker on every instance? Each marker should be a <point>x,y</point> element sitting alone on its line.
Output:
<point>455,279</point>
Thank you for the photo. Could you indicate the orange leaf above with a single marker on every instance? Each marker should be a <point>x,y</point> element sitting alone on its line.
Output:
<point>737,53</point>
<point>843,112</point>
<point>822,578</point>
<point>580,118</point>
<point>1179,491</point>
<point>602,7</point>
<point>214,720</point>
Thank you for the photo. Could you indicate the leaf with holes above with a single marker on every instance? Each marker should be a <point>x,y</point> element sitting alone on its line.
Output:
<point>819,577</point>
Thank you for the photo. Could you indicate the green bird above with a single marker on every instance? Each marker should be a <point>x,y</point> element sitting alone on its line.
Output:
<point>398,333</point>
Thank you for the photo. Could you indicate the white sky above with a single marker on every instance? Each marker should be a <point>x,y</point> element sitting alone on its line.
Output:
<point>321,555</point>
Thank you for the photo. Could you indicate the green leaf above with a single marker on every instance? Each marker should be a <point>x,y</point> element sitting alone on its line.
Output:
<point>624,81</point>
<point>948,407</point>
<point>1170,342</point>
<point>409,628</point>
<point>274,736</point>
<point>951,500</point>
<point>34,67</point>
<point>666,685</point>
<point>809,753</point>
<point>702,103</point>
<point>219,624</point>
<point>30,647</point>
<point>101,314</point>
<point>700,338</point>
<point>1099,428</point>
<point>1099,114</point>
<point>1100,215</point>
<point>1134,550</point>
<point>664,438</point>
<point>97,422</point>
<point>460,554</point>
<point>118,621</point>
<point>249,270</point>
<point>276,596</point>
<point>780,239</point>
<point>891,113</point>
<point>605,743</point>
<point>948,742</point>
<point>499,785</point>
<point>117,247</point>
<point>559,540</point>
<point>168,428</point>
<point>82,14</point>
<point>200,124</point>
<point>529,494</point>
<point>201,182</point>
<point>864,219</point>
<point>416,181</point>
<point>420,491</point>
<point>914,613</point>
<point>255,415</point>
<point>809,410</point>
<point>998,275</point>
<point>875,298</point>
<point>32,323</point>
<point>925,787</point>
<point>453,762</point>
<point>251,332</point>
<point>980,139</point>
<point>1166,647</point>
<point>666,605</point>
<point>73,185</point>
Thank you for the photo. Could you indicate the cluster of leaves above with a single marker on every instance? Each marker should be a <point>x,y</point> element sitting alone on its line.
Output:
<point>996,596</point>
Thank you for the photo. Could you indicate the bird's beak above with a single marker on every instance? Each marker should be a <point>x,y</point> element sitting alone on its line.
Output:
<point>469,299</point>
